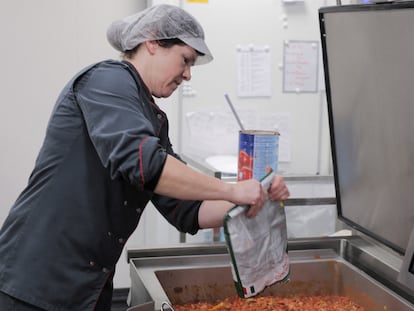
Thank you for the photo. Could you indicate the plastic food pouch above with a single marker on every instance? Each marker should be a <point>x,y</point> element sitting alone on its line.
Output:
<point>257,246</point>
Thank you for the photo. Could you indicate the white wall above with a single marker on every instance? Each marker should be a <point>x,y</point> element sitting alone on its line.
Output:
<point>45,42</point>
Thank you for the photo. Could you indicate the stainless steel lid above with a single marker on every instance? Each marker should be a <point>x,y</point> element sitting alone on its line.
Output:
<point>369,73</point>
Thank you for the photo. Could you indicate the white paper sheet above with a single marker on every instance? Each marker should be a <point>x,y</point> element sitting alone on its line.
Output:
<point>253,71</point>
<point>300,68</point>
<point>204,128</point>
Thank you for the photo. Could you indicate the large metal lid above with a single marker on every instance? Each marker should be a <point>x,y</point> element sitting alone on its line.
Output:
<point>368,53</point>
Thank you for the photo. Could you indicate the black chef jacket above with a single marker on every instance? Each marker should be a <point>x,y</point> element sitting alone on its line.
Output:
<point>105,146</point>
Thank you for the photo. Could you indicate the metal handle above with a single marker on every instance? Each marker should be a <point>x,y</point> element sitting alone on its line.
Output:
<point>165,303</point>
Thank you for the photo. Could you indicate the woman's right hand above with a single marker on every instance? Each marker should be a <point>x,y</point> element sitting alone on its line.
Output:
<point>249,192</point>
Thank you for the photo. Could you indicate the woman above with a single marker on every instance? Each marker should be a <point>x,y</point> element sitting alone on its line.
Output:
<point>106,154</point>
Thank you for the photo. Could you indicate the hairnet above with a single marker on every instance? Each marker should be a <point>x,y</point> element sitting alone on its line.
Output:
<point>157,23</point>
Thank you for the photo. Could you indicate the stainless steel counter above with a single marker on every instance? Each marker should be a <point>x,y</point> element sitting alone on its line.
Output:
<point>352,266</point>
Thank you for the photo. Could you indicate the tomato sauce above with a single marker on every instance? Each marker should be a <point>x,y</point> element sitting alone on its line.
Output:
<point>270,303</point>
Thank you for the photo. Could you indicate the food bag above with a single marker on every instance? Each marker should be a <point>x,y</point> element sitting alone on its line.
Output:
<point>257,246</point>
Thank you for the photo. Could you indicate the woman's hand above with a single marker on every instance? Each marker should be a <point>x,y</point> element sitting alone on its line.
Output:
<point>278,190</point>
<point>250,192</point>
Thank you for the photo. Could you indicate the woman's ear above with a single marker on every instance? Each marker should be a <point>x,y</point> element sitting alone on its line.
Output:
<point>151,46</point>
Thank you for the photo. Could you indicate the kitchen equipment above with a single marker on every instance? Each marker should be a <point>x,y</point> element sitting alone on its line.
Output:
<point>350,266</point>
<point>166,304</point>
<point>368,72</point>
<point>369,68</point>
<point>233,110</point>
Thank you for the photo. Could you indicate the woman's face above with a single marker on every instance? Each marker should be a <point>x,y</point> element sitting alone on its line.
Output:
<point>170,67</point>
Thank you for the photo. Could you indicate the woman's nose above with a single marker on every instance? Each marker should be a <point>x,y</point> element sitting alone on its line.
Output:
<point>187,73</point>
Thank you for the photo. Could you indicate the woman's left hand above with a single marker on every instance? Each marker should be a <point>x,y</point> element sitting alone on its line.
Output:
<point>278,190</point>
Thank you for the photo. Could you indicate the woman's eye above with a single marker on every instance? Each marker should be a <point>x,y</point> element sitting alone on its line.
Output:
<point>188,61</point>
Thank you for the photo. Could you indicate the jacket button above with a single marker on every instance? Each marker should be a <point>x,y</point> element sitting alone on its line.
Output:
<point>105,270</point>
<point>159,116</point>
<point>139,211</point>
<point>121,240</point>
<point>92,263</point>
<point>109,233</point>
<point>125,203</point>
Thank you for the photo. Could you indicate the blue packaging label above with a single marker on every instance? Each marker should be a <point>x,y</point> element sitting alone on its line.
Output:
<point>258,153</point>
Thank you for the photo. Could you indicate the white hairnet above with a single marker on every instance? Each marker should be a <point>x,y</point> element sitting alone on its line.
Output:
<point>157,23</point>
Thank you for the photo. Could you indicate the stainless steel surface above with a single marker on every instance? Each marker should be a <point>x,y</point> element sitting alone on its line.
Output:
<point>201,164</point>
<point>406,275</point>
<point>309,201</point>
<point>358,268</point>
<point>147,306</point>
<point>236,115</point>
<point>368,59</point>
<point>166,304</point>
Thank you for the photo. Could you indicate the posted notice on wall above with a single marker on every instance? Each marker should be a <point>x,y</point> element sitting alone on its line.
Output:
<point>300,66</point>
<point>206,126</point>
<point>253,71</point>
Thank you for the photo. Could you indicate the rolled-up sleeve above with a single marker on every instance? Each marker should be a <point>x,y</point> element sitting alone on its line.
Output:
<point>118,127</point>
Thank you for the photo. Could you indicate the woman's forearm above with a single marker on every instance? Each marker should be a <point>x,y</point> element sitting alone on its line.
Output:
<point>182,182</point>
<point>179,181</point>
<point>211,213</point>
